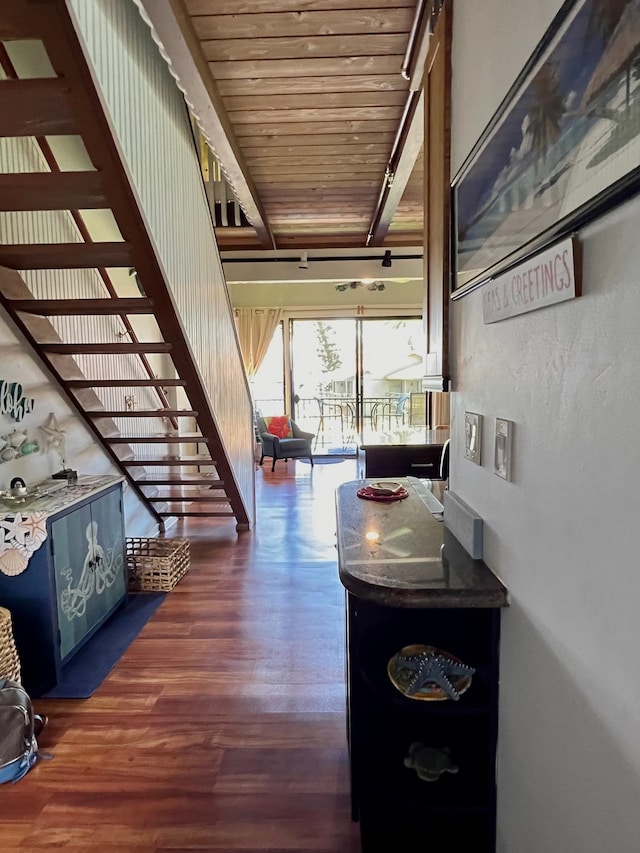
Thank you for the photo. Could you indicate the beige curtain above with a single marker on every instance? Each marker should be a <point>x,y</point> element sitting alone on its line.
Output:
<point>440,409</point>
<point>255,330</point>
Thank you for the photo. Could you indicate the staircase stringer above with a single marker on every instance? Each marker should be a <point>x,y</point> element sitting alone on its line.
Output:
<point>13,286</point>
<point>82,113</point>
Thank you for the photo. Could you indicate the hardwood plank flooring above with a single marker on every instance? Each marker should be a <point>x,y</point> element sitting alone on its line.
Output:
<point>222,727</point>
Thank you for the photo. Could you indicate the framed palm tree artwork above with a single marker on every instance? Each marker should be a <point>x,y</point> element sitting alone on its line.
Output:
<point>563,147</point>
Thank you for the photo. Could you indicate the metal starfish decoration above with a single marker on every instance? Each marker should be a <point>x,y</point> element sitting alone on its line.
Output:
<point>431,667</point>
<point>54,436</point>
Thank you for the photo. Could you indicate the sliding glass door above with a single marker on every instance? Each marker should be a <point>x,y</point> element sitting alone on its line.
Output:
<point>358,380</point>
<point>324,382</point>
<point>393,406</point>
<point>347,380</point>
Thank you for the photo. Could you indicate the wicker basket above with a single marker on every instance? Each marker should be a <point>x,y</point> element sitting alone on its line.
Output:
<point>9,660</point>
<point>156,565</point>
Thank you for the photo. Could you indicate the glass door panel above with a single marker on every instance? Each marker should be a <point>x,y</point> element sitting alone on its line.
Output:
<point>325,382</point>
<point>393,406</point>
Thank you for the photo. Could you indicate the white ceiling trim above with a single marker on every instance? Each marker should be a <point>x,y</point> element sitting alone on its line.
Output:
<point>171,30</point>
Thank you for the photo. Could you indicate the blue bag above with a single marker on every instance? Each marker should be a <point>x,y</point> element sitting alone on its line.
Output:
<point>18,745</point>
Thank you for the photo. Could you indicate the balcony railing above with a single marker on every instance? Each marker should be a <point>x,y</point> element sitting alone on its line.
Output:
<point>334,420</point>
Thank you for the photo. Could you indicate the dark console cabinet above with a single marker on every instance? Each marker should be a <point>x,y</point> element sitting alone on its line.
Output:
<point>424,590</point>
<point>397,809</point>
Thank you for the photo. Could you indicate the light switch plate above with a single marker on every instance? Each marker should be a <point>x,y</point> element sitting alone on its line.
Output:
<point>503,451</point>
<point>472,437</point>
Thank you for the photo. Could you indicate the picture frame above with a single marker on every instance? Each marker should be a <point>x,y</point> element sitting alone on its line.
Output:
<point>562,148</point>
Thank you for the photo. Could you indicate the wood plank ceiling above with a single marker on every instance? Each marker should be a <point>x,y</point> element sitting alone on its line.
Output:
<point>323,124</point>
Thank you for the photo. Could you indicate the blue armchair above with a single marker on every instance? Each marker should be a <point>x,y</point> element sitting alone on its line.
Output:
<point>291,443</point>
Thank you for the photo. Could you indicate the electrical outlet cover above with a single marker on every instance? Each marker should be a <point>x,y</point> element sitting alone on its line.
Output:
<point>503,448</point>
<point>472,436</point>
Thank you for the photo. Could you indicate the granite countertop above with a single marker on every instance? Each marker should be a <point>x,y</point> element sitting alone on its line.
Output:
<point>400,553</point>
<point>23,526</point>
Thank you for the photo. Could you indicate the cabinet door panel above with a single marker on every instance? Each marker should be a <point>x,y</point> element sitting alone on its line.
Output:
<point>88,568</point>
<point>75,581</point>
<point>106,519</point>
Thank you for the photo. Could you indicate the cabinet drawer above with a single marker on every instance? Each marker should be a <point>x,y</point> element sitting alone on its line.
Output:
<point>425,462</point>
<point>405,461</point>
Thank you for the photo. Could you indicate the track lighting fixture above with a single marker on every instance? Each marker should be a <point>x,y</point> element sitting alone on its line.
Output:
<point>386,261</point>
<point>354,285</point>
<point>304,264</point>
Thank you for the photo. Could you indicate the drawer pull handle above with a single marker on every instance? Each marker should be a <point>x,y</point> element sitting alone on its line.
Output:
<point>422,464</point>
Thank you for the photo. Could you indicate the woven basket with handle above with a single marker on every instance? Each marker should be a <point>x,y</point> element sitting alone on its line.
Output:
<point>9,660</point>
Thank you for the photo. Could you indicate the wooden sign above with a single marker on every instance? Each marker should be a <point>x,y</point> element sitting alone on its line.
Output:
<point>13,402</point>
<point>549,277</point>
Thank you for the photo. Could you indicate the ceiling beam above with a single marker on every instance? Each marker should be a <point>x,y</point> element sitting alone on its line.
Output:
<point>401,165</point>
<point>410,137</point>
<point>172,26</point>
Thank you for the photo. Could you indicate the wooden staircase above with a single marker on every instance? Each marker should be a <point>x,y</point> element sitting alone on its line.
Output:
<point>176,471</point>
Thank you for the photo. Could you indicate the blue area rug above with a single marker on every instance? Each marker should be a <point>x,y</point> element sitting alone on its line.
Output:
<point>323,460</point>
<point>87,669</point>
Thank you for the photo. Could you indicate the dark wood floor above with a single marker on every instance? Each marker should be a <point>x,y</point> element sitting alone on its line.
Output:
<point>222,727</point>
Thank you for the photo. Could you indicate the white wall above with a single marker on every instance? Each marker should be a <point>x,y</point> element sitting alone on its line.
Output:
<point>312,294</point>
<point>563,535</point>
<point>82,450</point>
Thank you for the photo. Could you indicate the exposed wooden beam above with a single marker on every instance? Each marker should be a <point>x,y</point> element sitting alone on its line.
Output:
<point>403,159</point>
<point>52,191</point>
<point>419,39</point>
<point>173,26</point>
<point>57,256</point>
<point>35,107</point>
<point>84,307</point>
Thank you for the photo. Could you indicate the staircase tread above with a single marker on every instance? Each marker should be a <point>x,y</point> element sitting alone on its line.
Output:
<point>196,480</point>
<point>142,413</point>
<point>194,514</point>
<point>105,348</point>
<point>124,383</point>
<point>172,460</point>
<point>159,437</point>
<point>86,307</point>
<point>188,499</point>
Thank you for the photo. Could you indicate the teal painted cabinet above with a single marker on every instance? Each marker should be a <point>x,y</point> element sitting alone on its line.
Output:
<point>88,562</point>
<point>71,586</point>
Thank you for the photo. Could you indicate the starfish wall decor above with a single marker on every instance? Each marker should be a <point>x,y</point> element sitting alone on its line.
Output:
<point>54,436</point>
<point>424,672</point>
